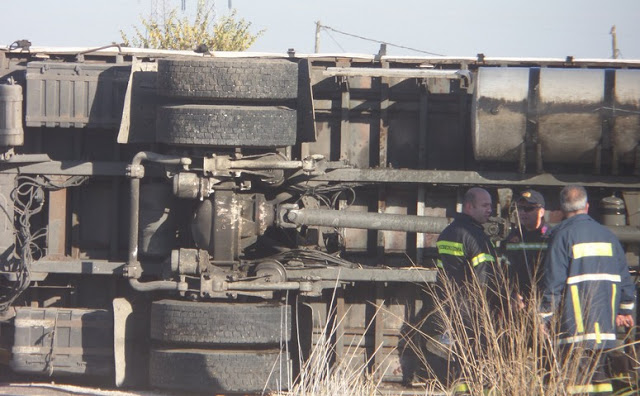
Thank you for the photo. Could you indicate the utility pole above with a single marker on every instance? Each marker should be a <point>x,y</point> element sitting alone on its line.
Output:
<point>318,27</point>
<point>614,43</point>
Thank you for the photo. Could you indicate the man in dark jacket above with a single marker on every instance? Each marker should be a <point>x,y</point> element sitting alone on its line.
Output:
<point>526,244</point>
<point>468,262</point>
<point>587,276</point>
<point>463,247</point>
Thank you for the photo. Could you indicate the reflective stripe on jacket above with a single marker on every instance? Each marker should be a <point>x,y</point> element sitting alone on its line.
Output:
<point>587,277</point>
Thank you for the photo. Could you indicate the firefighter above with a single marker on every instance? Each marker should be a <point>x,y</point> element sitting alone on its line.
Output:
<point>463,247</point>
<point>526,244</point>
<point>586,274</point>
<point>467,259</point>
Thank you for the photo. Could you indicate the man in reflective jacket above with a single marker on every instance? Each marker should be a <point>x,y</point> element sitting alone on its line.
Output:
<point>467,259</point>
<point>586,274</point>
<point>463,247</point>
<point>526,244</point>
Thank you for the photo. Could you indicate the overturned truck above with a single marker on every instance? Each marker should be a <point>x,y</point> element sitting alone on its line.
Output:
<point>198,222</point>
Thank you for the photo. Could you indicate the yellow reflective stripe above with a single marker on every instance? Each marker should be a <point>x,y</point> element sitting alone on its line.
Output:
<point>465,388</point>
<point>577,311</point>
<point>481,258</point>
<point>439,264</point>
<point>524,245</point>
<point>450,248</point>
<point>614,291</point>
<point>593,277</point>
<point>593,388</point>
<point>592,249</point>
<point>597,329</point>
<point>587,337</point>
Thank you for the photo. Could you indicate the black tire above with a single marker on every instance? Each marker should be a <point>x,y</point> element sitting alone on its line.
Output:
<point>219,371</point>
<point>228,78</point>
<point>204,324</point>
<point>227,126</point>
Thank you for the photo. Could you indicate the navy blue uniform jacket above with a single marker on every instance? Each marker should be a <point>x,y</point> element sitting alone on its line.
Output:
<point>587,281</point>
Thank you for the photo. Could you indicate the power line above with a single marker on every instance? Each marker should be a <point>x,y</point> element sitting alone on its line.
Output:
<point>378,41</point>
<point>335,41</point>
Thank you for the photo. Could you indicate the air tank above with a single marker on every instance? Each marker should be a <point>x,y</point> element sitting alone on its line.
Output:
<point>613,211</point>
<point>566,115</point>
<point>11,132</point>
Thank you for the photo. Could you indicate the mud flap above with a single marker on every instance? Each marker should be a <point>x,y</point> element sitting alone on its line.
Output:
<point>129,354</point>
<point>121,311</point>
<point>138,119</point>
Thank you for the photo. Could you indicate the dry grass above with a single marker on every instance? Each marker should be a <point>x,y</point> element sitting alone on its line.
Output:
<point>496,354</point>
<point>497,351</point>
<point>321,376</point>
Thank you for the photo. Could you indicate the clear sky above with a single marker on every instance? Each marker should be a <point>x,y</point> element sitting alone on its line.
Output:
<point>501,28</point>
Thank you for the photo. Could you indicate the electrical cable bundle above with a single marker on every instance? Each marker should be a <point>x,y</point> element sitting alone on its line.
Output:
<point>28,198</point>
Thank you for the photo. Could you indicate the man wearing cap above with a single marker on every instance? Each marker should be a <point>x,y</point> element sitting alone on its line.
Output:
<point>526,245</point>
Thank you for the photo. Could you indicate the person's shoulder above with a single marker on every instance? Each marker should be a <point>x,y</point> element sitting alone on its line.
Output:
<point>557,229</point>
<point>601,229</point>
<point>586,222</point>
<point>450,229</point>
<point>582,224</point>
<point>566,229</point>
<point>460,226</point>
<point>460,221</point>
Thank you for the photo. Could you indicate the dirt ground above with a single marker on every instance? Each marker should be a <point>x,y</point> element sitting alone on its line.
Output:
<point>12,384</point>
<point>52,389</point>
<point>55,389</point>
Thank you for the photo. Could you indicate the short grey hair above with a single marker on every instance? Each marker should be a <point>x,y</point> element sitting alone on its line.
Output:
<point>573,198</point>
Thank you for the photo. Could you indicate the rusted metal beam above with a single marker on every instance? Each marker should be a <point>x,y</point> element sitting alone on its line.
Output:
<point>423,130</point>
<point>57,223</point>
<point>383,156</point>
<point>340,317</point>
<point>378,333</point>
<point>397,73</point>
<point>398,274</point>
<point>80,168</point>
<point>344,120</point>
<point>449,177</point>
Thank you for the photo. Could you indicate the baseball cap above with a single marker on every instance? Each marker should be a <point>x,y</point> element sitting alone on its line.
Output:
<point>531,196</point>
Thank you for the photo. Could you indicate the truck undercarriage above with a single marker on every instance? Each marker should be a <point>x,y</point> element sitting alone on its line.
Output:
<point>197,222</point>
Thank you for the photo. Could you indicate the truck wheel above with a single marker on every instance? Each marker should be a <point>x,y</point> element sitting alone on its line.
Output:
<point>219,371</point>
<point>228,78</point>
<point>227,126</point>
<point>202,323</point>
